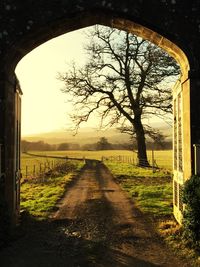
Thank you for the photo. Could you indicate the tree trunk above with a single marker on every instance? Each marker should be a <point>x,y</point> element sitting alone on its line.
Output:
<point>141,144</point>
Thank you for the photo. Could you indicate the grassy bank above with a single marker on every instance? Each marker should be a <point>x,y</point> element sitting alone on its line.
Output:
<point>151,191</point>
<point>39,195</point>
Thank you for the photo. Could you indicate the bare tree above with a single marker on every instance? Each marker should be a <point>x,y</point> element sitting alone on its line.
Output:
<point>125,79</point>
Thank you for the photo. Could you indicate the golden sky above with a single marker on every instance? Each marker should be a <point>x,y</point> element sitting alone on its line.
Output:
<point>44,106</point>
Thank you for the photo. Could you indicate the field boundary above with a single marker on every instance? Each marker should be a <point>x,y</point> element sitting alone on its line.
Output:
<point>40,169</point>
<point>53,157</point>
<point>48,160</point>
<point>133,161</point>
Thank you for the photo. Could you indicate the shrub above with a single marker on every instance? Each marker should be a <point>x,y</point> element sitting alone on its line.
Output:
<point>191,216</point>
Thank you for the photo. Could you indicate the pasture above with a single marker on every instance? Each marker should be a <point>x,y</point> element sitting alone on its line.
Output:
<point>163,158</point>
<point>152,190</point>
<point>40,191</point>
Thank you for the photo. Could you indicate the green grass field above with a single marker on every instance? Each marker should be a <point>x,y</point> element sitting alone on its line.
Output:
<point>39,195</point>
<point>40,198</point>
<point>30,162</point>
<point>151,191</point>
<point>163,158</point>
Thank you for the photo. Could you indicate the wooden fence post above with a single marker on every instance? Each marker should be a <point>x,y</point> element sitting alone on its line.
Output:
<point>26,171</point>
<point>33,170</point>
<point>40,168</point>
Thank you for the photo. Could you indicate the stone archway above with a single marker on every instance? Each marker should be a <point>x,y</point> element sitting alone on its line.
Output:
<point>180,95</point>
<point>62,26</point>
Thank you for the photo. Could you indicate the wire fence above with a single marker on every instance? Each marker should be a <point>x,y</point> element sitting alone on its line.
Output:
<point>131,160</point>
<point>40,168</point>
<point>154,161</point>
<point>120,158</point>
<point>45,166</point>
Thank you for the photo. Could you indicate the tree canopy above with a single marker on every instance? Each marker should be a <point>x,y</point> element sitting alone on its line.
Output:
<point>103,144</point>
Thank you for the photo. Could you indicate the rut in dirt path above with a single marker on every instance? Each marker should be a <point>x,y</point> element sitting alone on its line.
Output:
<point>96,225</point>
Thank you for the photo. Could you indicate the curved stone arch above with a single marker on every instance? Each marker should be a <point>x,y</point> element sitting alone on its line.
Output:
<point>86,19</point>
<point>62,26</point>
<point>171,48</point>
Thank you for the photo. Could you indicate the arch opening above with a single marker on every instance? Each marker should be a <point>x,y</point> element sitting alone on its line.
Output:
<point>181,90</point>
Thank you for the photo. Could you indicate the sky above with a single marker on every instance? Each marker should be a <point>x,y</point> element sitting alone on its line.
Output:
<point>44,106</point>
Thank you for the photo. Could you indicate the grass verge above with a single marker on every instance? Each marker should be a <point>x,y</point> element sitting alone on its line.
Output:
<point>39,196</point>
<point>151,191</point>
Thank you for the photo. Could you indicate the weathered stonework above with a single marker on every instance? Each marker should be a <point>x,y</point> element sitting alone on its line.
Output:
<point>172,24</point>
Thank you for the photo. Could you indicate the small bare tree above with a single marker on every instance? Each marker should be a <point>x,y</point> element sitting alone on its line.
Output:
<point>125,79</point>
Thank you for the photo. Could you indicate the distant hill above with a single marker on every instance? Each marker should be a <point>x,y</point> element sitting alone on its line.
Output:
<point>87,136</point>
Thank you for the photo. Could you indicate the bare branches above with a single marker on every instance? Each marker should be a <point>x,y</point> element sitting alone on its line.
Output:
<point>124,79</point>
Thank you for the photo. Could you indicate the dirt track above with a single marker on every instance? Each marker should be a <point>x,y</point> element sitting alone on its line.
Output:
<point>96,225</point>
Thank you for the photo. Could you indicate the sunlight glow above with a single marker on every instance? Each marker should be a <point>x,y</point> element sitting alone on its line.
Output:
<point>44,106</point>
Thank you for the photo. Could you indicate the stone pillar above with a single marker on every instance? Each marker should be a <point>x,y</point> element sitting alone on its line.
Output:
<point>4,216</point>
<point>7,141</point>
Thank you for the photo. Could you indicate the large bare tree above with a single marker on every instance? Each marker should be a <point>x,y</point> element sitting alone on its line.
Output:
<point>124,79</point>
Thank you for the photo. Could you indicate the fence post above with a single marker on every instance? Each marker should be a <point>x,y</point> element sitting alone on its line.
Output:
<point>153,170</point>
<point>33,170</point>
<point>40,168</point>
<point>26,171</point>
